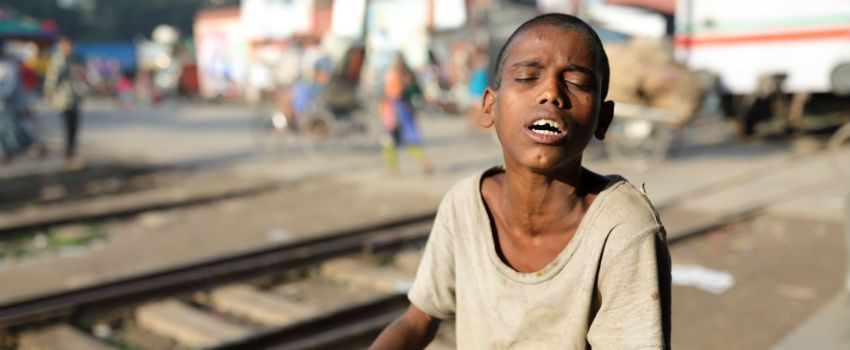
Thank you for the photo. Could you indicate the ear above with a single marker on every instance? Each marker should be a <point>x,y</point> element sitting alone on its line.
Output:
<point>488,117</point>
<point>606,115</point>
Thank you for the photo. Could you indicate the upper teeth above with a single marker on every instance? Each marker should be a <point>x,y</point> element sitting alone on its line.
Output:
<point>550,122</point>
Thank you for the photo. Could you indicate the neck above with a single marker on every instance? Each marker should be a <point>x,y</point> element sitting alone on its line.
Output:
<point>539,203</point>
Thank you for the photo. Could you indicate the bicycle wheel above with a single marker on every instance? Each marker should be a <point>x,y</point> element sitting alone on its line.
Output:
<point>638,144</point>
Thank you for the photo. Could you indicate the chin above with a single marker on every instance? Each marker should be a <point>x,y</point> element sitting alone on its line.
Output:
<point>541,159</point>
<point>546,163</point>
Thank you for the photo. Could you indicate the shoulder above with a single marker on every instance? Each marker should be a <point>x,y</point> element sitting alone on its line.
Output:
<point>623,199</point>
<point>627,214</point>
<point>469,187</point>
<point>463,200</point>
<point>462,192</point>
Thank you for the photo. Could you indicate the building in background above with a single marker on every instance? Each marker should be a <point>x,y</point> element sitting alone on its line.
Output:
<point>221,50</point>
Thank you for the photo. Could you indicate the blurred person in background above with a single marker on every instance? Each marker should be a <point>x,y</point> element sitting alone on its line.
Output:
<point>301,96</point>
<point>124,88</point>
<point>478,81</point>
<point>398,116</point>
<point>63,91</point>
<point>31,94</point>
<point>143,87</point>
<point>29,80</point>
<point>435,84</point>
<point>13,137</point>
<point>303,92</point>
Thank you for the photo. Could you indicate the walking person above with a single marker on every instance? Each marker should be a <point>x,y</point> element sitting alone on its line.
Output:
<point>398,116</point>
<point>63,91</point>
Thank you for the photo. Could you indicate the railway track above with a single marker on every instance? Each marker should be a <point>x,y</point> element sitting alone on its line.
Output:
<point>27,219</point>
<point>260,294</point>
<point>338,290</point>
<point>79,225</point>
<point>19,190</point>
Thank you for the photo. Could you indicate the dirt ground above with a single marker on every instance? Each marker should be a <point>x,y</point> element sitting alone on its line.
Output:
<point>784,269</point>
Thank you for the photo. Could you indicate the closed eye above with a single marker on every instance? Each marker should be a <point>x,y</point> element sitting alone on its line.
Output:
<point>526,80</point>
<point>581,85</point>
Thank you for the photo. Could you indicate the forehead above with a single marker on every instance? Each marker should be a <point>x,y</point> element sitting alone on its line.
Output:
<point>549,41</point>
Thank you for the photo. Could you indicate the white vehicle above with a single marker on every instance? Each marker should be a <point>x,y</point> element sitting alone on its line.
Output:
<point>742,40</point>
<point>769,57</point>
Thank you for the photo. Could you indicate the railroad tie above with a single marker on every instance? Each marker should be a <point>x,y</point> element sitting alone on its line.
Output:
<point>324,294</point>
<point>408,260</point>
<point>61,336</point>
<point>187,325</point>
<point>361,273</point>
<point>261,307</point>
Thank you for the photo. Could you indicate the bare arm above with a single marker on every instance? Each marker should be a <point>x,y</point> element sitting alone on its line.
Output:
<point>413,330</point>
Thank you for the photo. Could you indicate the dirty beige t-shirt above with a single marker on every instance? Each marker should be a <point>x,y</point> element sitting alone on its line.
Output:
<point>608,288</point>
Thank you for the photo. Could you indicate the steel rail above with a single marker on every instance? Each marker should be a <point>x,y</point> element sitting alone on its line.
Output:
<point>53,220</point>
<point>210,273</point>
<point>16,191</point>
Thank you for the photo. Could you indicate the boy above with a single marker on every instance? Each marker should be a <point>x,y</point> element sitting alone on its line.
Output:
<point>543,253</point>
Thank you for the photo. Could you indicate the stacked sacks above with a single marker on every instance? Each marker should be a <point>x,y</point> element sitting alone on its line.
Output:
<point>644,72</point>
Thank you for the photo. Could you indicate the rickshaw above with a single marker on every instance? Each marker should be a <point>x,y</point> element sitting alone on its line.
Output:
<point>332,113</point>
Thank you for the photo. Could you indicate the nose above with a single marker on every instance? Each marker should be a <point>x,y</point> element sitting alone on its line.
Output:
<point>554,91</point>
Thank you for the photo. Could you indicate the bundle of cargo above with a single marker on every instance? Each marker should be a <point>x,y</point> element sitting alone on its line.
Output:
<point>644,73</point>
<point>655,98</point>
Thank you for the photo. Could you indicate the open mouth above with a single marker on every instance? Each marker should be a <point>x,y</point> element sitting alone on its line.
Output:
<point>546,127</point>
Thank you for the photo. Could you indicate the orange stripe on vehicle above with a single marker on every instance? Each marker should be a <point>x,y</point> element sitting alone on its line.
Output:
<point>842,33</point>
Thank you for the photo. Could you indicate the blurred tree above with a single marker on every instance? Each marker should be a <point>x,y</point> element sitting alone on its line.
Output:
<point>114,20</point>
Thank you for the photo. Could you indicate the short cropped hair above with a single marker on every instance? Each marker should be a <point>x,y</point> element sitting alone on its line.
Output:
<point>562,21</point>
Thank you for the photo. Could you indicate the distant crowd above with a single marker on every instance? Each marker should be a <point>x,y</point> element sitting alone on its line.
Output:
<point>21,88</point>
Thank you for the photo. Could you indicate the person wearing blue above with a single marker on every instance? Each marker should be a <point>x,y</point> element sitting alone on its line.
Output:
<point>306,90</point>
<point>398,116</point>
<point>14,139</point>
<point>478,82</point>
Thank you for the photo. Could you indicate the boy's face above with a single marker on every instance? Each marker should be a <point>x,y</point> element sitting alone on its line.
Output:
<point>549,103</point>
